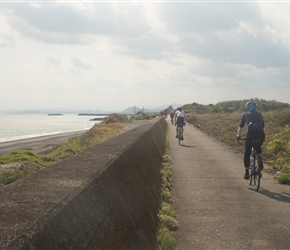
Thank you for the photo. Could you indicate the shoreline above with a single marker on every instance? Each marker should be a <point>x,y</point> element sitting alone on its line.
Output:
<point>45,143</point>
<point>39,143</point>
<point>31,136</point>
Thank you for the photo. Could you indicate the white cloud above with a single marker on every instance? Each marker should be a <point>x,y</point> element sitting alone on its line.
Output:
<point>112,55</point>
<point>80,64</point>
<point>52,61</point>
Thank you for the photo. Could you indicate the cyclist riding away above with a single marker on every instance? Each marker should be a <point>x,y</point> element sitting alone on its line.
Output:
<point>180,120</point>
<point>255,124</point>
<point>171,116</point>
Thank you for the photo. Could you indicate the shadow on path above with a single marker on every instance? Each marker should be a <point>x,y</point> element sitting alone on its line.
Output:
<point>187,146</point>
<point>283,197</point>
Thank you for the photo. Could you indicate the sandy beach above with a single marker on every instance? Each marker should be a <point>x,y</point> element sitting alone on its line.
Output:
<point>38,144</point>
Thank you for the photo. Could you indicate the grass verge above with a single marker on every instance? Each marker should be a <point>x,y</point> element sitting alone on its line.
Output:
<point>167,219</point>
<point>8,176</point>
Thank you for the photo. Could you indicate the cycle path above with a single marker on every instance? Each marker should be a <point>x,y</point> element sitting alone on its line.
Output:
<point>215,207</point>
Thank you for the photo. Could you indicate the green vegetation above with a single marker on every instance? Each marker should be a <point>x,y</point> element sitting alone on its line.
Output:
<point>167,220</point>
<point>284,178</point>
<point>8,176</point>
<point>222,120</point>
<point>141,116</point>
<point>108,128</point>
<point>279,150</point>
<point>235,106</point>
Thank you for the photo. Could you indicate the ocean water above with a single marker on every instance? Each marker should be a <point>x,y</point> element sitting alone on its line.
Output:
<point>20,126</point>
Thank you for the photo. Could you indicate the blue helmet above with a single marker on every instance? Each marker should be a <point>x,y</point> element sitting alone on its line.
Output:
<point>251,106</point>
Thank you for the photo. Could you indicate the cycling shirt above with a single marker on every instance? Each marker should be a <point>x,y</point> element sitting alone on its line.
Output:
<point>180,117</point>
<point>254,121</point>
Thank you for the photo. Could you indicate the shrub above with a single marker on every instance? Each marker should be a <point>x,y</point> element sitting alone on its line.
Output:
<point>284,178</point>
<point>166,241</point>
<point>8,176</point>
<point>280,150</point>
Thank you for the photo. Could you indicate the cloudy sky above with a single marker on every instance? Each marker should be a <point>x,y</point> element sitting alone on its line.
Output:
<point>110,55</point>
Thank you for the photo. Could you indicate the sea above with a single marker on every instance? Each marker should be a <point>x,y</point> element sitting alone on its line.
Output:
<point>22,126</point>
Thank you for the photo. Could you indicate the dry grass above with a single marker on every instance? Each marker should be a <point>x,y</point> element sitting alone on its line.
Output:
<point>224,127</point>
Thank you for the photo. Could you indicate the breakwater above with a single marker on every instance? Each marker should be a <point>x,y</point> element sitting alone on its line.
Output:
<point>106,197</point>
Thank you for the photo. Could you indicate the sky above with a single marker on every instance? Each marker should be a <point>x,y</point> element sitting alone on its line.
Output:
<point>111,55</point>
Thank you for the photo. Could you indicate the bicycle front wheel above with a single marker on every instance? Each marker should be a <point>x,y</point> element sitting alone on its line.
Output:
<point>257,180</point>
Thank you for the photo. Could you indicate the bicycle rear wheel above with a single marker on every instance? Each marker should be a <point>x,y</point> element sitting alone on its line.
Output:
<point>257,180</point>
<point>179,135</point>
<point>251,179</point>
<point>255,177</point>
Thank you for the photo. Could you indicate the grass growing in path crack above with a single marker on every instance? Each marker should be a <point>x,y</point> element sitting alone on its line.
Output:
<point>167,220</point>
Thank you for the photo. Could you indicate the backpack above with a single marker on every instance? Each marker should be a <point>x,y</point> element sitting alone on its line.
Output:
<point>180,119</point>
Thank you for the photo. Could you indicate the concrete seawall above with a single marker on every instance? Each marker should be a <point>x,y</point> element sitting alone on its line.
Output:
<point>106,197</point>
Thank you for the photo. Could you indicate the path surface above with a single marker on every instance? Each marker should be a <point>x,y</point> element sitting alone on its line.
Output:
<point>215,206</point>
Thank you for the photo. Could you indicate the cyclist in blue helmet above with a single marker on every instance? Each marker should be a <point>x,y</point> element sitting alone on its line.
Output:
<point>255,123</point>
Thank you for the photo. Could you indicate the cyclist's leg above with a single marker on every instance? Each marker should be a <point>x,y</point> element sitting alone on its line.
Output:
<point>261,137</point>
<point>181,132</point>
<point>247,155</point>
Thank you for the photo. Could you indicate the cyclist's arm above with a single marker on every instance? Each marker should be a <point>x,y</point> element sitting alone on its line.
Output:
<point>241,126</point>
<point>239,132</point>
<point>175,117</point>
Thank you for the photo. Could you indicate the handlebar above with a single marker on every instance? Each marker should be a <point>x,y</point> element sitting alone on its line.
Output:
<point>240,139</point>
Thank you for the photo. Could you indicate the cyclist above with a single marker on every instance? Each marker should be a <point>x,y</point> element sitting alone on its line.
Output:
<point>255,124</point>
<point>180,120</point>
<point>171,116</point>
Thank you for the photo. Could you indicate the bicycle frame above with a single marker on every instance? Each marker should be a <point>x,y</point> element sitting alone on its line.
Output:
<point>179,133</point>
<point>255,172</point>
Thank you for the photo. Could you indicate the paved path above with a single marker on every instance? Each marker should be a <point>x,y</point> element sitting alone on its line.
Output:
<point>215,206</point>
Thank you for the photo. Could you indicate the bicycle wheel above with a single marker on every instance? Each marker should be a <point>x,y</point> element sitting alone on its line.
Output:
<point>255,174</point>
<point>257,179</point>
<point>179,135</point>
<point>250,178</point>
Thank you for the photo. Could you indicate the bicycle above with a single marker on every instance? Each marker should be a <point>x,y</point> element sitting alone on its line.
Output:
<point>180,132</point>
<point>256,159</point>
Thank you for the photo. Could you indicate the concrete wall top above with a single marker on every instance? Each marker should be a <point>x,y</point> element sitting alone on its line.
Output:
<point>106,196</point>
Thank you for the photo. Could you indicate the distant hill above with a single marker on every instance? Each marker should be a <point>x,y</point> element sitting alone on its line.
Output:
<point>174,106</point>
<point>129,110</point>
<point>134,109</point>
<point>55,111</point>
<point>235,106</point>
